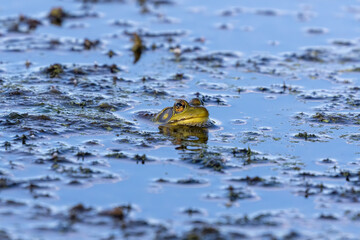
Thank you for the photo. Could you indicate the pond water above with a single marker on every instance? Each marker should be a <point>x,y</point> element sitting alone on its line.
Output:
<point>280,80</point>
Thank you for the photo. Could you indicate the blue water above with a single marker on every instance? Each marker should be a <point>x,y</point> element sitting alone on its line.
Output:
<point>269,117</point>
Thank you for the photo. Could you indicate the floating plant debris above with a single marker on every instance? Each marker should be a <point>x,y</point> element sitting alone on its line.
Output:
<point>137,47</point>
<point>80,156</point>
<point>57,16</point>
<point>55,70</point>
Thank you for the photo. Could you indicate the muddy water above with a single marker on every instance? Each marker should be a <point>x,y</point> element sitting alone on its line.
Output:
<point>279,78</point>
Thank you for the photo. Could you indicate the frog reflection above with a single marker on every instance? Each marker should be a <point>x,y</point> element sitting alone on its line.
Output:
<point>185,135</point>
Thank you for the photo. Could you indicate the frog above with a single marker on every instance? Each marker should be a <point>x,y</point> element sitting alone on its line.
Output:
<point>183,113</point>
<point>185,122</point>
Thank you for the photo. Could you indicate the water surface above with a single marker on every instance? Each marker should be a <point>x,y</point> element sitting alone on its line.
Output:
<point>279,78</point>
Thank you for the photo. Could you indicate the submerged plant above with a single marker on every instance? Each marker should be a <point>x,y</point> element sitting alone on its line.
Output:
<point>137,47</point>
<point>55,70</point>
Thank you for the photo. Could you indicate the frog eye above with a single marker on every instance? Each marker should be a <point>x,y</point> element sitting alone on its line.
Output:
<point>179,106</point>
<point>196,102</point>
<point>165,115</point>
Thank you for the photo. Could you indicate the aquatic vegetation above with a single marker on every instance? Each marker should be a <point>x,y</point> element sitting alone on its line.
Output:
<point>23,24</point>
<point>206,159</point>
<point>258,181</point>
<point>78,160</point>
<point>54,70</point>
<point>116,155</point>
<point>188,181</point>
<point>235,194</point>
<point>57,16</point>
<point>257,220</point>
<point>88,44</point>
<point>306,136</point>
<point>117,212</point>
<point>331,118</point>
<point>137,48</point>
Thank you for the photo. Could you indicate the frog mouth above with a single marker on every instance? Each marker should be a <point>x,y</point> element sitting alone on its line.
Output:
<point>191,121</point>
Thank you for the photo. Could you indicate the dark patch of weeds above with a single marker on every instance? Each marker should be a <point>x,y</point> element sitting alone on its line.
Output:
<point>192,211</point>
<point>140,158</point>
<point>23,139</point>
<point>310,55</point>
<point>111,53</point>
<point>249,156</point>
<point>114,68</point>
<point>137,48</point>
<point>258,181</point>
<point>151,91</point>
<point>251,180</point>
<point>308,192</point>
<point>189,181</point>
<point>261,219</point>
<point>117,213</point>
<point>57,15</point>
<point>36,195</point>
<point>78,71</point>
<point>207,159</point>
<point>354,137</point>
<point>263,89</point>
<point>75,183</point>
<point>7,183</point>
<point>81,172</point>
<point>336,118</point>
<point>88,44</point>
<point>76,211</point>
<point>82,154</point>
<point>211,60</point>
<point>353,102</point>
<point>331,217</point>
<point>106,106</point>
<point>204,232</point>
<point>235,194</point>
<point>308,174</point>
<point>342,194</point>
<point>27,64</point>
<point>41,117</point>
<point>12,203</point>
<point>243,152</point>
<point>306,136</point>
<point>186,181</point>
<point>353,69</point>
<point>163,34</point>
<point>216,99</point>
<point>16,116</point>
<point>179,77</point>
<point>55,70</point>
<point>327,161</point>
<point>119,155</point>
<point>33,186</point>
<point>24,24</point>
<point>162,180</point>
<point>7,146</point>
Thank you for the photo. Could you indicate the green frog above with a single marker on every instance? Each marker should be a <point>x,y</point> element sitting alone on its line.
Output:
<point>184,113</point>
<point>184,121</point>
